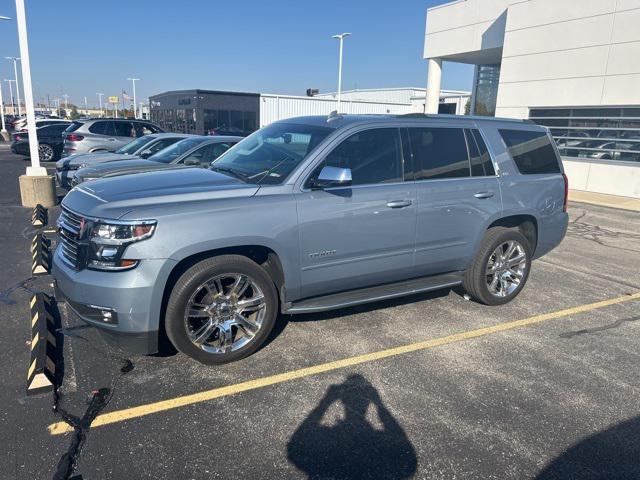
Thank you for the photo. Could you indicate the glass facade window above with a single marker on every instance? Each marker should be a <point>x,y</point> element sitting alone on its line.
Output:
<point>486,89</point>
<point>228,122</point>
<point>596,133</point>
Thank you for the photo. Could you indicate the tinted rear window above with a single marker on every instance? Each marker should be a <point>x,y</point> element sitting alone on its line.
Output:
<point>439,153</point>
<point>102,128</point>
<point>481,164</point>
<point>74,126</point>
<point>531,151</point>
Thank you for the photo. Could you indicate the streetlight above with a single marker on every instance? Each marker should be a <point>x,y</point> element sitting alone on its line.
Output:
<point>35,187</point>
<point>4,133</point>
<point>13,105</point>
<point>15,72</point>
<point>340,37</point>
<point>100,95</point>
<point>133,81</point>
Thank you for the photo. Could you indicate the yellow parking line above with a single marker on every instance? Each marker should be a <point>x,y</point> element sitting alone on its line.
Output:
<point>163,405</point>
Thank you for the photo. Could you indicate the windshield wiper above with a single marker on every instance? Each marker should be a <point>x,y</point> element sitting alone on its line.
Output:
<point>234,173</point>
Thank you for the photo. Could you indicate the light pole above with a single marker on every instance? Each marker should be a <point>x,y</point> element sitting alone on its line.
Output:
<point>340,37</point>
<point>100,95</point>
<point>31,192</point>
<point>15,72</point>
<point>135,105</point>
<point>66,103</point>
<point>13,105</point>
<point>4,133</point>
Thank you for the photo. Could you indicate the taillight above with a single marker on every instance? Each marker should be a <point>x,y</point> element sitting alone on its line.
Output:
<point>566,192</point>
<point>73,137</point>
<point>18,138</point>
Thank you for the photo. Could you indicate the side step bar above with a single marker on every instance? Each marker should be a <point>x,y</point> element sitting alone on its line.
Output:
<point>374,294</point>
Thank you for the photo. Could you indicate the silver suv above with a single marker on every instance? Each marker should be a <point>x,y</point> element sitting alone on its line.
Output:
<point>305,215</point>
<point>104,134</point>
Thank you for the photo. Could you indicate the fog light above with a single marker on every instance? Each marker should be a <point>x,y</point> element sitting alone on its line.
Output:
<point>95,313</point>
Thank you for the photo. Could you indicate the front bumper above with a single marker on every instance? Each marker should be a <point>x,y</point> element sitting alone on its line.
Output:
<point>64,178</point>
<point>134,295</point>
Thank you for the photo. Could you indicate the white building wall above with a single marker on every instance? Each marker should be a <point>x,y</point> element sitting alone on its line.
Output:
<point>280,107</point>
<point>570,53</point>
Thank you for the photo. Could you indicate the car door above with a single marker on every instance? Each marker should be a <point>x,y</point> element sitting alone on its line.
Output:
<point>124,133</point>
<point>457,193</point>
<point>361,235</point>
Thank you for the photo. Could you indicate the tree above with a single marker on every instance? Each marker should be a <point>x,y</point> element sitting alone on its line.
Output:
<point>74,113</point>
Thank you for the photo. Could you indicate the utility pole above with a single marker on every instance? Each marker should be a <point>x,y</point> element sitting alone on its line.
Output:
<point>100,95</point>
<point>15,72</point>
<point>86,109</point>
<point>13,105</point>
<point>340,37</point>
<point>133,81</point>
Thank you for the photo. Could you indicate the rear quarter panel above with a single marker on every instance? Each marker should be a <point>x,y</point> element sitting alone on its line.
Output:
<point>540,196</point>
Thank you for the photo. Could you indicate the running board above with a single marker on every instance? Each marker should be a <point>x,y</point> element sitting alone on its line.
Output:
<point>374,294</point>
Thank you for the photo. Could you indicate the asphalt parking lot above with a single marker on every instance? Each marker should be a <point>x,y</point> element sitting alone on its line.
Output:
<point>431,386</point>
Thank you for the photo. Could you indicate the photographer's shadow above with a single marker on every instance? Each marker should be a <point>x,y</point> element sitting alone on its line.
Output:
<point>351,434</point>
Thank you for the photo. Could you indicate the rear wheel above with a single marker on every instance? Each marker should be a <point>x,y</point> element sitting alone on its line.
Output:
<point>501,267</point>
<point>45,152</point>
<point>221,309</point>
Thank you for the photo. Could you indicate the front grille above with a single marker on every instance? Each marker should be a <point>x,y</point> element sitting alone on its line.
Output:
<point>70,226</point>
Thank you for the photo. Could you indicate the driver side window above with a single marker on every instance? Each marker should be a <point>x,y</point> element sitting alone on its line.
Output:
<point>374,156</point>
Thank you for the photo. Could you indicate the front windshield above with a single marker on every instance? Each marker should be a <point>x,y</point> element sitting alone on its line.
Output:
<point>269,155</point>
<point>132,147</point>
<point>172,152</point>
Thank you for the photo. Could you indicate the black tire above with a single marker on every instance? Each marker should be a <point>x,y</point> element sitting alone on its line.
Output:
<point>475,277</point>
<point>46,152</point>
<point>194,277</point>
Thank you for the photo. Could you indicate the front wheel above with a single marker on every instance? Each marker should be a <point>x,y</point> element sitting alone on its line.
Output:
<point>501,267</point>
<point>221,309</point>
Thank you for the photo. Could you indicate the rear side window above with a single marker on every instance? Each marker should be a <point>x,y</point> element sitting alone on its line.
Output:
<point>146,129</point>
<point>439,153</point>
<point>481,165</point>
<point>125,129</point>
<point>52,129</point>
<point>73,127</point>
<point>102,128</point>
<point>374,156</point>
<point>531,151</point>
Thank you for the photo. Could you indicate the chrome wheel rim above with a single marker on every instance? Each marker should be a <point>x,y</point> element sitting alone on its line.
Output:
<point>506,268</point>
<point>225,313</point>
<point>45,152</point>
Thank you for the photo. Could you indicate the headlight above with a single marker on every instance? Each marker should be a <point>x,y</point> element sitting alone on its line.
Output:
<point>82,165</point>
<point>108,241</point>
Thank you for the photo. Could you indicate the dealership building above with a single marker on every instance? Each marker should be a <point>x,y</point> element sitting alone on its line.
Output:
<point>240,113</point>
<point>570,65</point>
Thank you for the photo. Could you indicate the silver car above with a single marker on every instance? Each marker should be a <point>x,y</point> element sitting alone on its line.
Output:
<point>104,134</point>
<point>196,151</point>
<point>142,147</point>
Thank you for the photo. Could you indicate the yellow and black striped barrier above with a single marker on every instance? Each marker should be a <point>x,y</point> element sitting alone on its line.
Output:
<point>42,365</point>
<point>40,255</point>
<point>40,216</point>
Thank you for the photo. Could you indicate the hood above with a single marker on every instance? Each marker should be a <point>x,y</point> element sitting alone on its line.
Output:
<point>92,158</point>
<point>120,167</point>
<point>153,191</point>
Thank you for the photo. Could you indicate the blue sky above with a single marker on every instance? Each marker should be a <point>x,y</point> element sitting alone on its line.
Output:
<point>275,46</point>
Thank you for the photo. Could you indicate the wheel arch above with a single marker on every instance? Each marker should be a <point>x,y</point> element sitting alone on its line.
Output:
<point>527,224</point>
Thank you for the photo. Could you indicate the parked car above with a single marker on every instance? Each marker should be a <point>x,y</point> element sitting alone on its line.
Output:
<point>104,134</point>
<point>190,152</point>
<point>142,147</point>
<point>306,215</point>
<point>21,125</point>
<point>49,142</point>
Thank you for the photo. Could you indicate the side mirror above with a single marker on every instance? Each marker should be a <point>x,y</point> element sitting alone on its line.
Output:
<point>191,162</point>
<point>146,153</point>
<point>332,177</point>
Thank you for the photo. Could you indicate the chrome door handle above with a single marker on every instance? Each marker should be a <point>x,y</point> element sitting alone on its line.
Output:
<point>399,203</point>
<point>484,195</point>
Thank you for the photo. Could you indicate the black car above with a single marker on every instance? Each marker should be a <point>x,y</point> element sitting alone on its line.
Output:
<point>50,142</point>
